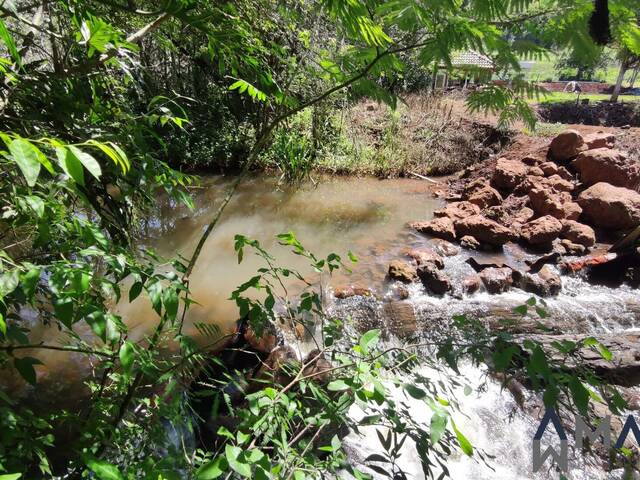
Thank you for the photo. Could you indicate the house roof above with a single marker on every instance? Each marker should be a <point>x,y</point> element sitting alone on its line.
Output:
<point>471,59</point>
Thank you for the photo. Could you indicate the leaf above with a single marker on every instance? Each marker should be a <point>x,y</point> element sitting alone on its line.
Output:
<point>134,291</point>
<point>369,339</point>
<point>3,325</point>
<point>437,427</point>
<point>26,156</point>
<point>414,391</point>
<point>462,441</point>
<point>70,164</point>
<point>98,324</point>
<point>29,280</point>
<point>236,460</point>
<point>212,469</point>
<point>103,470</point>
<point>579,394</point>
<point>126,355</point>
<point>10,476</point>
<point>338,386</point>
<point>24,366</point>
<point>87,160</point>
<point>36,204</point>
<point>6,38</point>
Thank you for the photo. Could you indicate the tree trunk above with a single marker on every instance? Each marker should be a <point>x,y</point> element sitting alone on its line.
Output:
<point>634,76</point>
<point>618,86</point>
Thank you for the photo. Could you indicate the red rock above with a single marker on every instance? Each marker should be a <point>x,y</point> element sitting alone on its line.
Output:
<point>607,165</point>
<point>484,230</point>
<point>458,210</point>
<point>497,280</point>
<point>402,271</point>
<point>585,262</point>
<point>571,248</point>
<point>535,172</point>
<point>439,227</point>
<point>531,161</point>
<point>469,242</point>
<point>544,283</point>
<point>434,279</point>
<point>549,168</point>
<point>541,230</point>
<point>566,145</point>
<point>599,140</point>
<point>557,204</point>
<point>565,174</point>
<point>610,207</point>
<point>471,284</point>
<point>508,174</point>
<point>422,256</point>
<point>558,183</point>
<point>346,291</point>
<point>578,233</point>
<point>485,197</point>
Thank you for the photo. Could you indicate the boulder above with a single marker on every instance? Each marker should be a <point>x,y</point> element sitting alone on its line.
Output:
<point>599,140</point>
<point>440,227</point>
<point>566,145</point>
<point>544,283</point>
<point>607,165</point>
<point>471,284</point>
<point>578,233</point>
<point>545,201</point>
<point>531,161</point>
<point>458,210</point>
<point>610,207</point>
<point>497,280</point>
<point>541,230</point>
<point>403,271</point>
<point>558,183</point>
<point>433,279</point>
<point>508,174</point>
<point>549,168</point>
<point>469,242</point>
<point>473,186</point>
<point>565,174</point>
<point>485,197</point>
<point>446,249</point>
<point>423,256</point>
<point>484,230</point>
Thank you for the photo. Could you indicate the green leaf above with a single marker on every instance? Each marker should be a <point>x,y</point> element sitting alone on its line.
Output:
<point>36,204</point>
<point>338,386</point>
<point>212,469</point>
<point>170,301</point>
<point>70,164</point>
<point>87,160</point>
<point>465,445</point>
<point>98,324</point>
<point>127,354</point>
<point>369,339</point>
<point>29,280</point>
<point>26,156</point>
<point>103,470</point>
<point>134,291</point>
<point>437,427</point>
<point>10,476</point>
<point>236,460</point>
<point>579,394</point>
<point>24,366</point>
<point>6,38</point>
<point>3,325</point>
<point>414,391</point>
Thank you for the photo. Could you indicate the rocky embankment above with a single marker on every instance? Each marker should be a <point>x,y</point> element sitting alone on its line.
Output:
<point>567,205</point>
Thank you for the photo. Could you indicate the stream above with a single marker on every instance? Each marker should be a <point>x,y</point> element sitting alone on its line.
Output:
<point>368,217</point>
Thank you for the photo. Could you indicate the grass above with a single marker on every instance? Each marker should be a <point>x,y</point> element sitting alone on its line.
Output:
<point>553,97</point>
<point>544,70</point>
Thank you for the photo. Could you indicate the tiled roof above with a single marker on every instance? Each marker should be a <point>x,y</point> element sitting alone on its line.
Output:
<point>471,59</point>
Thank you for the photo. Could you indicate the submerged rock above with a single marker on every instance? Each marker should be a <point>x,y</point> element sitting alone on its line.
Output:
<point>608,206</point>
<point>423,256</point>
<point>471,284</point>
<point>445,248</point>
<point>402,271</point>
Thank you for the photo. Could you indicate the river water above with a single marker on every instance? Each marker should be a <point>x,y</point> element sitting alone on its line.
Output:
<point>368,217</point>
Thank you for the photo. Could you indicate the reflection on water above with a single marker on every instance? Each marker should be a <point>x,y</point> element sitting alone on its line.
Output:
<point>364,215</point>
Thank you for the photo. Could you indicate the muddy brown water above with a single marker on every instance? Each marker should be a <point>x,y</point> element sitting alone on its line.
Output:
<point>332,214</point>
